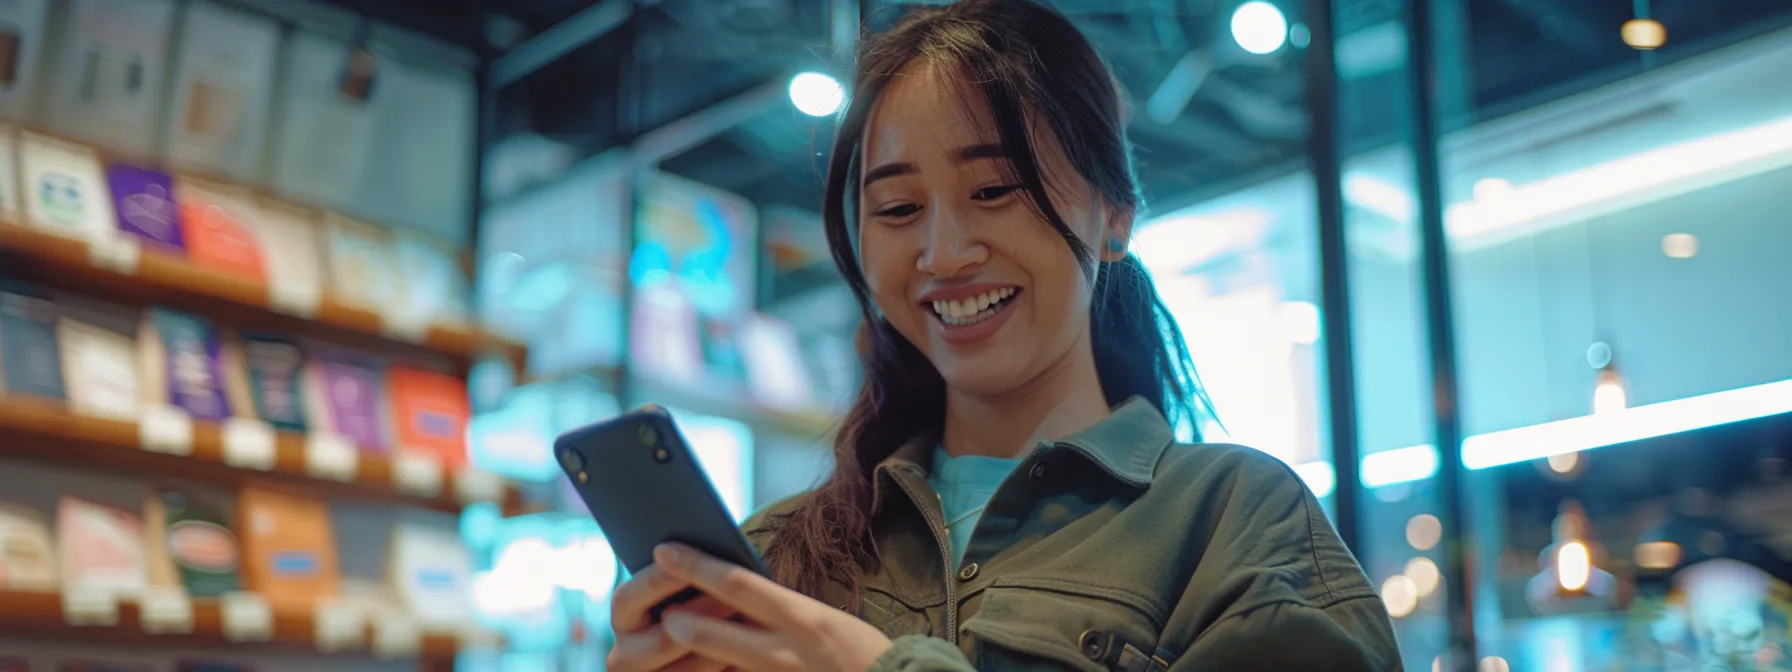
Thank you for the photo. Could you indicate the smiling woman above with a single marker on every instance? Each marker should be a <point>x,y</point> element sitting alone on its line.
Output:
<point>1007,487</point>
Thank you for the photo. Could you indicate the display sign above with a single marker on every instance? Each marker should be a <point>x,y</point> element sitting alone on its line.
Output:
<point>542,573</point>
<point>223,82</point>
<point>796,247</point>
<point>113,63</point>
<point>698,239</point>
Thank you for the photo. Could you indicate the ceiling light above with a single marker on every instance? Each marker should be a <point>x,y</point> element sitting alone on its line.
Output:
<point>1680,245</point>
<point>1259,27</point>
<point>1423,531</point>
<point>1608,394</point>
<point>816,94</point>
<point>1644,34</point>
<point>1424,574</point>
<point>1574,566</point>
<point>1400,595</point>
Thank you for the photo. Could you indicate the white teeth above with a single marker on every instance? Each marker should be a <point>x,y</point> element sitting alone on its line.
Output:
<point>971,310</point>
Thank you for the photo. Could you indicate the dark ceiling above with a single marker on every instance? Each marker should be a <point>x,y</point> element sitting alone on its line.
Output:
<point>674,58</point>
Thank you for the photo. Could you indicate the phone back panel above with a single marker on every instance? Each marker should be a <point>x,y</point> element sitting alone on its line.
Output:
<point>642,499</point>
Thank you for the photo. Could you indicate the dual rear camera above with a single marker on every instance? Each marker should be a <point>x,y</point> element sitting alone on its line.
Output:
<point>574,462</point>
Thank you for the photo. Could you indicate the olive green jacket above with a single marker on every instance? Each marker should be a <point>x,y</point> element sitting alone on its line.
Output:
<point>1118,549</point>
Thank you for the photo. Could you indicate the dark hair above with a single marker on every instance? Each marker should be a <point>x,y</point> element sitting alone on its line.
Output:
<point>1029,63</point>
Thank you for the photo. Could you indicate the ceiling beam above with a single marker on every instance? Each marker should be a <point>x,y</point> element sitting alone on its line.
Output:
<point>561,39</point>
<point>697,127</point>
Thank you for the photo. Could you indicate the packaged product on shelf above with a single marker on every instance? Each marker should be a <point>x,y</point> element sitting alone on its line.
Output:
<point>264,372</point>
<point>431,571</point>
<point>344,394</point>
<point>27,551</point>
<point>213,220</point>
<point>429,413</point>
<point>189,546</point>
<point>362,272</point>
<point>99,367</point>
<point>101,547</point>
<point>294,250</point>
<point>433,285</point>
<point>9,176</point>
<point>143,199</point>
<point>64,188</point>
<point>180,364</point>
<point>30,357</point>
<point>289,549</point>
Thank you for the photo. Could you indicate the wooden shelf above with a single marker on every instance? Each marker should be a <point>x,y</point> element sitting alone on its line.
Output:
<point>46,431</point>
<point>39,615</point>
<point>165,279</point>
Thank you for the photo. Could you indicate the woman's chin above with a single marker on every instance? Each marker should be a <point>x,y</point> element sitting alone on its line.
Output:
<point>980,378</point>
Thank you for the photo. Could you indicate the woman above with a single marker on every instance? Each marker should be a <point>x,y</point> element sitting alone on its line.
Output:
<point>979,202</point>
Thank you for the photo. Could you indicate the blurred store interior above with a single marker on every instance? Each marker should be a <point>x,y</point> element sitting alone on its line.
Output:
<point>296,294</point>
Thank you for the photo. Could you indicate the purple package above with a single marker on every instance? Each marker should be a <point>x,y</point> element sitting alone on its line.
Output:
<point>352,395</point>
<point>195,379</point>
<point>143,200</point>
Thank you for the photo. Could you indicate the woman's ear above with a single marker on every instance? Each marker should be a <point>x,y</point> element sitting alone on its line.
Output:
<point>1116,235</point>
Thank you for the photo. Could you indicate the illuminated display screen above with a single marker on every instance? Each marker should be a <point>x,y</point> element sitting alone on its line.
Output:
<point>725,447</point>
<point>700,240</point>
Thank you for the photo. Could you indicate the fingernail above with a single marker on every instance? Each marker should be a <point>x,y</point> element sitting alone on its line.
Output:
<point>678,627</point>
<point>665,555</point>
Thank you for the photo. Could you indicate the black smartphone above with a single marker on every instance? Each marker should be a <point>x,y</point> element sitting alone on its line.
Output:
<point>645,487</point>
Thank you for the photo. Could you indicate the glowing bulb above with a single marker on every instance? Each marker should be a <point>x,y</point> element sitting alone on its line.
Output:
<point>1658,555</point>
<point>1644,34</point>
<point>1424,574</point>
<point>1608,395</point>
<point>1259,27</point>
<point>1680,245</point>
<point>1564,463</point>
<point>816,94</point>
<point>1400,595</point>
<point>1574,566</point>
<point>1423,531</point>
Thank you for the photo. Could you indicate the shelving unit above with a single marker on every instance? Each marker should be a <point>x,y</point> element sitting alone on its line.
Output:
<point>163,279</point>
<point>46,432</point>
<point>41,615</point>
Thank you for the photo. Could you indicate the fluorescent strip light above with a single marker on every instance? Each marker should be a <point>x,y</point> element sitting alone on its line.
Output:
<point>1623,183</point>
<point>1400,465</point>
<point>1632,424</point>
<point>1639,178</point>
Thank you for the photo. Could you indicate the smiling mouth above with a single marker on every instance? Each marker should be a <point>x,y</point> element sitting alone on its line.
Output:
<point>972,310</point>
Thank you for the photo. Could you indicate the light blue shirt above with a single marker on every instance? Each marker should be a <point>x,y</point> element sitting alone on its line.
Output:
<point>965,485</point>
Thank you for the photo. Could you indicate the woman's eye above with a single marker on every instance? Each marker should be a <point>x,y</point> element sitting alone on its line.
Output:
<point>899,210</point>
<point>994,193</point>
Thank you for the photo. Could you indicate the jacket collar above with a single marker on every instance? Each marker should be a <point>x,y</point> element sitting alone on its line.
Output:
<point>1126,445</point>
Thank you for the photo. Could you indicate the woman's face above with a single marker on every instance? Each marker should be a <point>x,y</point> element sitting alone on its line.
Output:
<point>956,259</point>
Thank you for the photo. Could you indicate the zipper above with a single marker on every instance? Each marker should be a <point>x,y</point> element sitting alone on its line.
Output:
<point>937,524</point>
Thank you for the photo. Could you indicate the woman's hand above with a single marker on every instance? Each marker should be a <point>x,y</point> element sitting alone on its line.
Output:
<point>784,631</point>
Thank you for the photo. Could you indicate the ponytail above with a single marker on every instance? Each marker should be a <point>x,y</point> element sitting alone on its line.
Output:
<point>1139,350</point>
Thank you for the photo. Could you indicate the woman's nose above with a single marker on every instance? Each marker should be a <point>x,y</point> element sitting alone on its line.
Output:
<point>952,249</point>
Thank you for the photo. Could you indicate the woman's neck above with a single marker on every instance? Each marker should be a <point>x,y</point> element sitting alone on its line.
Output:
<point>1064,399</point>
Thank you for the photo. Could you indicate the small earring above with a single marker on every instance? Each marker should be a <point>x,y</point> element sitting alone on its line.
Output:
<point>1116,245</point>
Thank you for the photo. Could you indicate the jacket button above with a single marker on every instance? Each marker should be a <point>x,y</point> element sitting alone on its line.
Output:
<point>1037,472</point>
<point>969,572</point>
<point>1092,645</point>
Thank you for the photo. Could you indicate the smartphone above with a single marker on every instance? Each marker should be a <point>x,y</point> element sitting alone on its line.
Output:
<point>645,487</point>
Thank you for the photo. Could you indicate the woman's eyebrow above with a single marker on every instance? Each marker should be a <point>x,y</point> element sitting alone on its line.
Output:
<point>964,154</point>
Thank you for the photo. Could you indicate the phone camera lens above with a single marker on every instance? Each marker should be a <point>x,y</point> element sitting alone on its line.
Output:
<point>647,435</point>
<point>572,460</point>
<point>661,455</point>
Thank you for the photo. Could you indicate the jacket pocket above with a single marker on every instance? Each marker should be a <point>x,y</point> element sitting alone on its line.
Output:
<point>1024,623</point>
<point>895,616</point>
